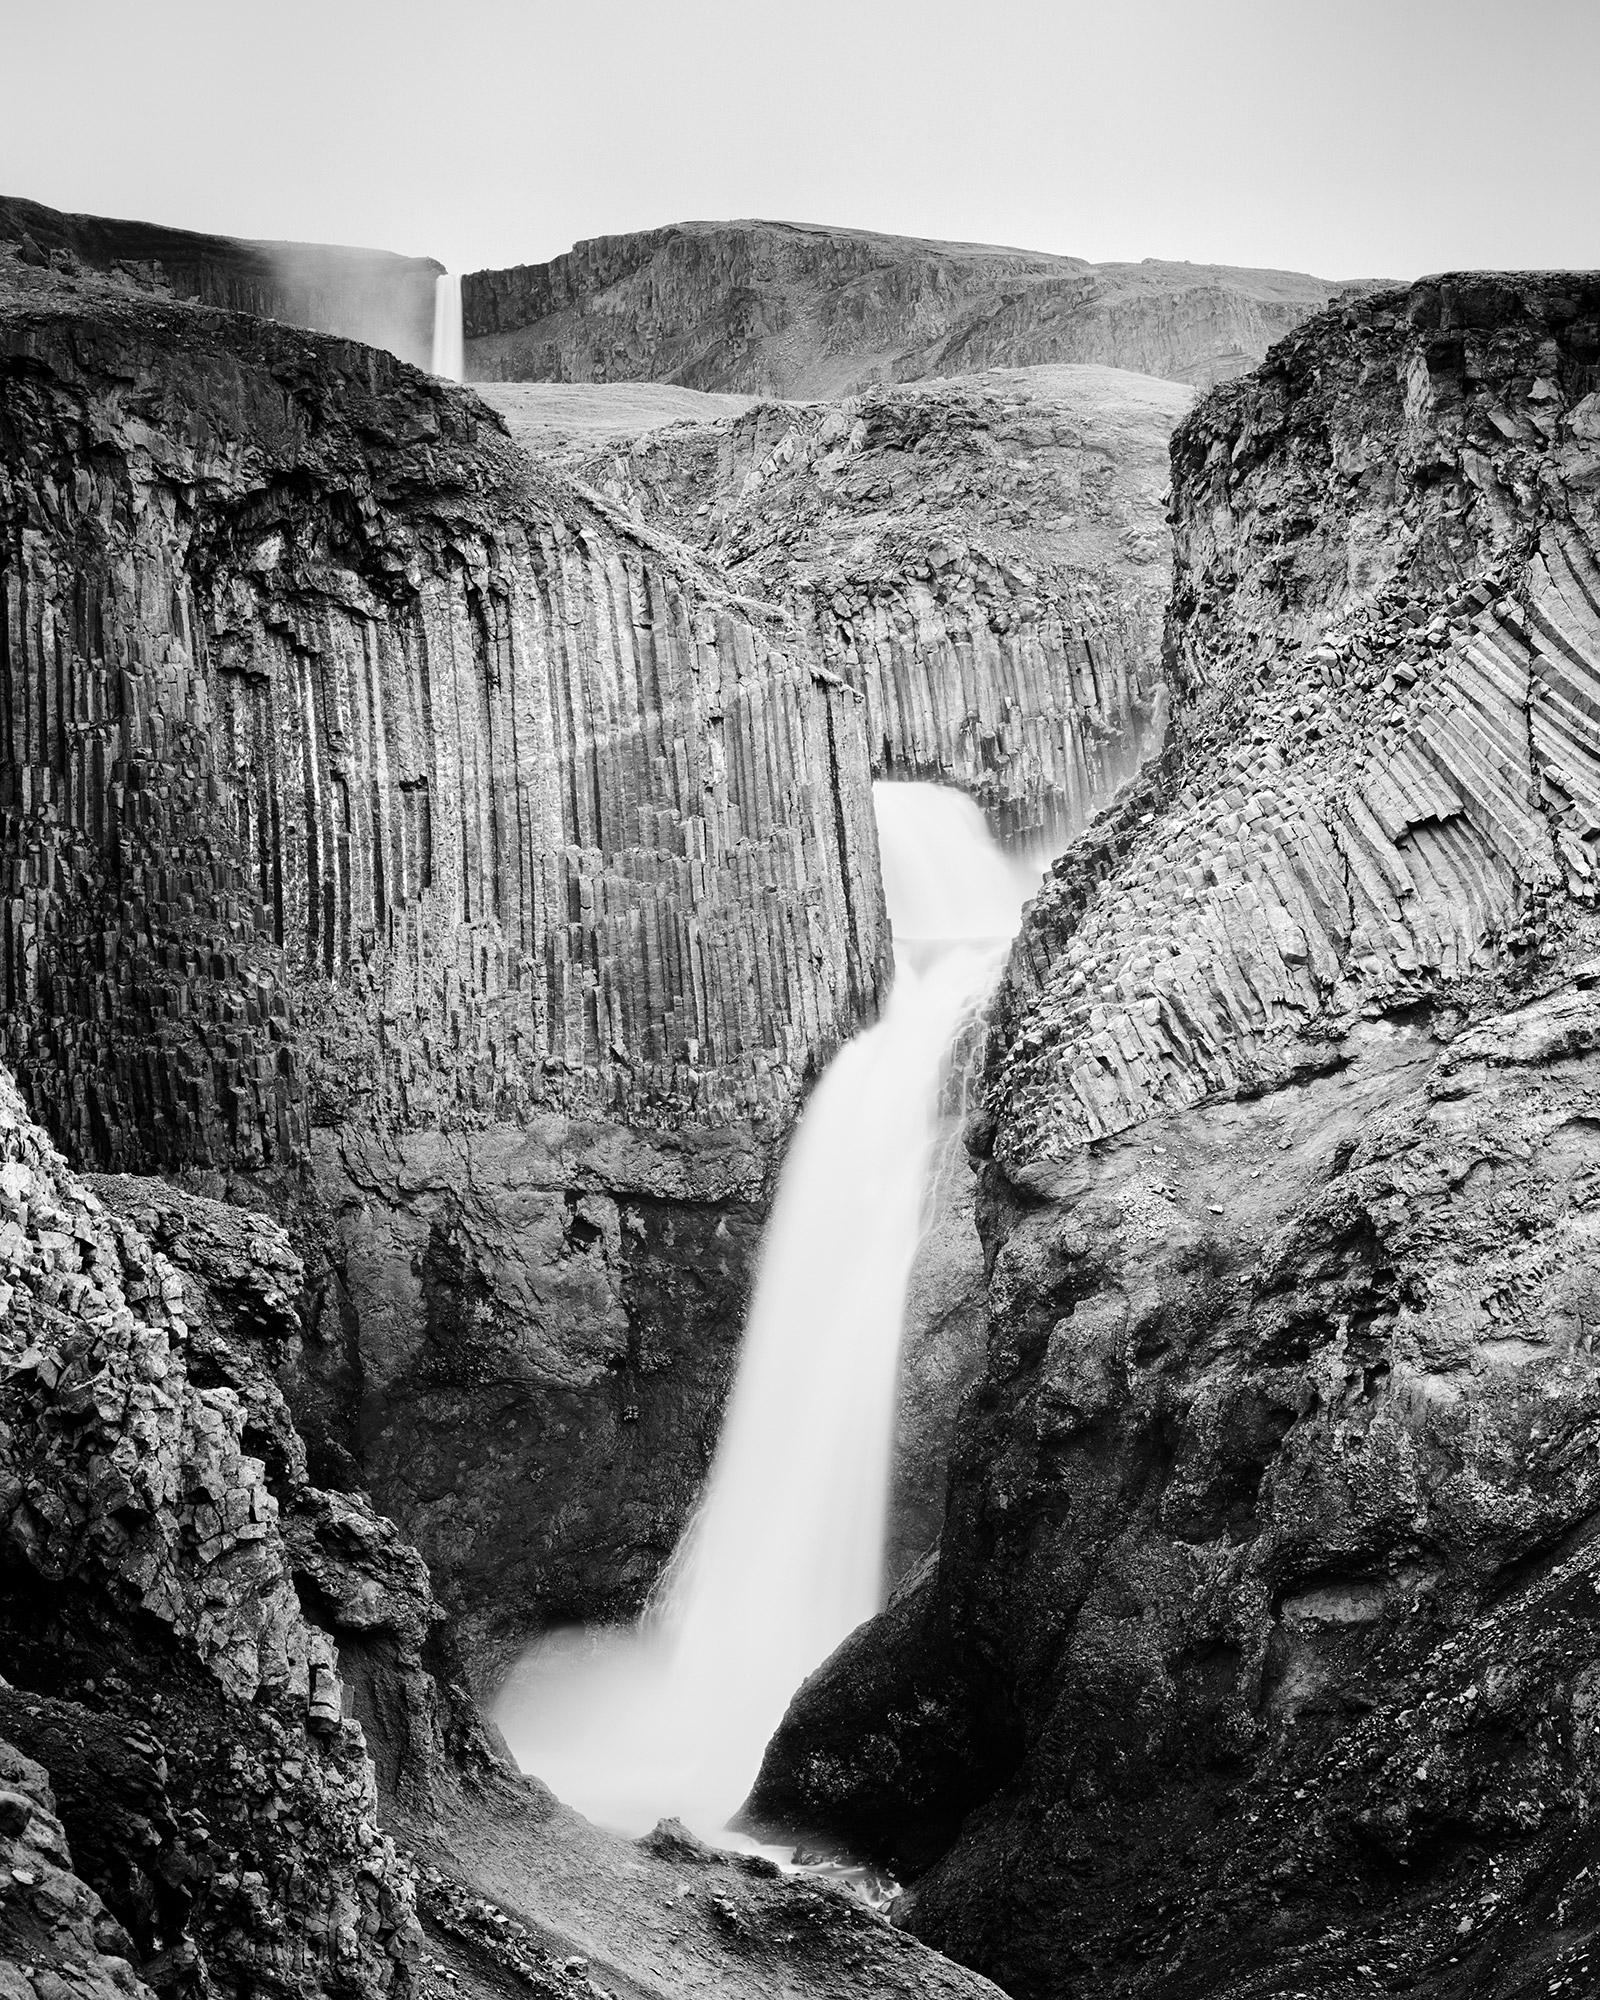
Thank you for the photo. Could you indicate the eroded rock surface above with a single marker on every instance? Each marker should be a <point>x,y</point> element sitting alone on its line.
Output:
<point>788,309</point>
<point>164,1671</point>
<point>1258,1654</point>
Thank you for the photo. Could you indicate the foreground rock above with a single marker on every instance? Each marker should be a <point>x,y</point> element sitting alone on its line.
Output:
<point>1259,1653</point>
<point>788,309</point>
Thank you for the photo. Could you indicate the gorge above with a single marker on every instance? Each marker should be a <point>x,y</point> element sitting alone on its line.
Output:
<point>457,980</point>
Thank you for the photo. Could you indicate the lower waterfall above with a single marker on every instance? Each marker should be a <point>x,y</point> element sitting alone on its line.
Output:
<point>669,1717</point>
<point>449,353</point>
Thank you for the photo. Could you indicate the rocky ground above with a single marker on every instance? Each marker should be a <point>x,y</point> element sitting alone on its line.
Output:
<point>789,309</point>
<point>1257,1657</point>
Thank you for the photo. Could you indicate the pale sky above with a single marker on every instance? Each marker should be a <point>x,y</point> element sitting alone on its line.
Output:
<point>1351,138</point>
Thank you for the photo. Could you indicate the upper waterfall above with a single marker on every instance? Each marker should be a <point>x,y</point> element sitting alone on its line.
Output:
<point>449,361</point>
<point>785,1554</point>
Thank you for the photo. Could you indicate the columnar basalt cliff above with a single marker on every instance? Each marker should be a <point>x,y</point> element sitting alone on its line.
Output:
<point>370,295</point>
<point>791,309</point>
<point>1259,1652</point>
<point>388,822</point>
<point>983,559</point>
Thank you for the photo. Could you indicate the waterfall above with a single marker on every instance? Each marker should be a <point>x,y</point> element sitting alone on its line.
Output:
<point>785,1554</point>
<point>448,352</point>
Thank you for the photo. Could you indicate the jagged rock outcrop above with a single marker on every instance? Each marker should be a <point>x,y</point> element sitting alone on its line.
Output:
<point>392,835</point>
<point>983,559</point>
<point>164,1671</point>
<point>1259,1652</point>
<point>791,309</point>
<point>370,295</point>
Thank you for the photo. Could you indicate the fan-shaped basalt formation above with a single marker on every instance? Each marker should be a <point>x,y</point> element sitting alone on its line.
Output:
<point>1259,1652</point>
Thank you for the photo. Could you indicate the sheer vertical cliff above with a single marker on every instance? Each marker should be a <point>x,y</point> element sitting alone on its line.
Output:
<point>388,822</point>
<point>1259,1652</point>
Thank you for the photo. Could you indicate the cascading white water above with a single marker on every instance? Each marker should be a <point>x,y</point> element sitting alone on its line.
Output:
<point>785,1554</point>
<point>449,360</point>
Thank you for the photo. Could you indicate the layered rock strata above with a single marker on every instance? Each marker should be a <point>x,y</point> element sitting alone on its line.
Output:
<point>983,559</point>
<point>1258,1654</point>
<point>388,824</point>
<point>789,309</point>
<point>370,295</point>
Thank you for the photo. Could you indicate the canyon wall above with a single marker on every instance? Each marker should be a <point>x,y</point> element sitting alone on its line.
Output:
<point>396,836</point>
<point>370,295</point>
<point>1258,1655</point>
<point>789,309</point>
<point>982,560</point>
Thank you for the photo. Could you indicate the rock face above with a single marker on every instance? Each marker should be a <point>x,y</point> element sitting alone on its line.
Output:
<point>377,812</point>
<point>370,295</point>
<point>982,559</point>
<point>1259,1652</point>
<point>788,309</point>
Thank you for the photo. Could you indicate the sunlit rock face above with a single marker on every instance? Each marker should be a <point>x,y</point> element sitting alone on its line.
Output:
<point>790,309</point>
<point>1260,1646</point>
<point>386,822</point>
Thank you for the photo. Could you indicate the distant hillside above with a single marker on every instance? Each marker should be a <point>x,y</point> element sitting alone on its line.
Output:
<point>787,309</point>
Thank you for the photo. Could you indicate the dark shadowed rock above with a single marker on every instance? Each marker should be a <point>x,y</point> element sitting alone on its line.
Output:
<point>792,309</point>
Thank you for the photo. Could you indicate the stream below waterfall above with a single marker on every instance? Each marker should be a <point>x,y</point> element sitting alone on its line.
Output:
<point>669,1717</point>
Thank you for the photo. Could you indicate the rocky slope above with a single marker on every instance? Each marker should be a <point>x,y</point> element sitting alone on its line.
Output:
<point>789,309</point>
<point>370,295</point>
<point>394,835</point>
<point>1258,1657</point>
<point>982,559</point>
